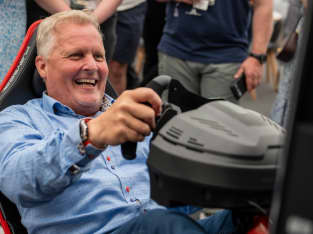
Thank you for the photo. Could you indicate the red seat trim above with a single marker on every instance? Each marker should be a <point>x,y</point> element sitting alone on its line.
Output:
<point>20,53</point>
<point>4,224</point>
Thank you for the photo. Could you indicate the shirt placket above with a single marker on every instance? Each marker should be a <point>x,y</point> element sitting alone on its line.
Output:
<point>126,184</point>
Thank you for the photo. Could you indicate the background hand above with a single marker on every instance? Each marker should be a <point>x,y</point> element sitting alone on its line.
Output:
<point>253,71</point>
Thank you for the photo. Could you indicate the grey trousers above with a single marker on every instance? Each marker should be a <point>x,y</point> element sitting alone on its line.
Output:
<point>207,80</point>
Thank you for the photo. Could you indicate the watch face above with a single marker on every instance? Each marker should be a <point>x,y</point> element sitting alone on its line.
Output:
<point>83,130</point>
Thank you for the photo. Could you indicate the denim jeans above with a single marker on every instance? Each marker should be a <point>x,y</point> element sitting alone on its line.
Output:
<point>171,222</point>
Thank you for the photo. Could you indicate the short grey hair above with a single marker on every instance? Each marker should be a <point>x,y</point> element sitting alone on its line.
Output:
<point>47,28</point>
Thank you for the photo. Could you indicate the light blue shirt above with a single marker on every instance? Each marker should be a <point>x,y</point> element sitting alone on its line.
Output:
<point>38,146</point>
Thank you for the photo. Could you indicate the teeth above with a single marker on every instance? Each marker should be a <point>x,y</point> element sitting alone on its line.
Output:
<point>86,81</point>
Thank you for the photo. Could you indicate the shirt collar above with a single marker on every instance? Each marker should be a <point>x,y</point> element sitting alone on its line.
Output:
<point>53,106</point>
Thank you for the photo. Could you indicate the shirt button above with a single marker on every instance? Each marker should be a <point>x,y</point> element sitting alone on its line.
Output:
<point>112,167</point>
<point>127,189</point>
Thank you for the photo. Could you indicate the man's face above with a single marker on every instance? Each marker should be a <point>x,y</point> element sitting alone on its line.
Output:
<point>75,71</point>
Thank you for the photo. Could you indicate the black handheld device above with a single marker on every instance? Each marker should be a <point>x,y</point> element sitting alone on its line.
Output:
<point>239,87</point>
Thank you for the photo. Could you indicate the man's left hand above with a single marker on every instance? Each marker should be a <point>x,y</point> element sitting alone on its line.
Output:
<point>253,70</point>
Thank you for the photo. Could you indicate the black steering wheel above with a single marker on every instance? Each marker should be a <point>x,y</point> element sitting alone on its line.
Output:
<point>179,100</point>
<point>158,84</point>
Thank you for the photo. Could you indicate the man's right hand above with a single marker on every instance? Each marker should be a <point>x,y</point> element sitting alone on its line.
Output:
<point>128,119</point>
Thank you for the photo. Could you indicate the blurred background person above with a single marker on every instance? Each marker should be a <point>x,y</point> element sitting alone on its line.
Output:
<point>131,14</point>
<point>206,44</point>
<point>152,33</point>
<point>293,23</point>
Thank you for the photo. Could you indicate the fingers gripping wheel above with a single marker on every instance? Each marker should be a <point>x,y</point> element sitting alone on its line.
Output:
<point>158,84</point>
<point>129,148</point>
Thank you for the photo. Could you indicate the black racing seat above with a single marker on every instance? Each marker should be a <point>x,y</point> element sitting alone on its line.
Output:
<point>22,83</point>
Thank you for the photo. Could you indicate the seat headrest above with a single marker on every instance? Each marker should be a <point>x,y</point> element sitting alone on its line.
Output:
<point>16,87</point>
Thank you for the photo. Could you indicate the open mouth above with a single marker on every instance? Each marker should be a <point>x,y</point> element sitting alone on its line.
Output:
<point>87,82</point>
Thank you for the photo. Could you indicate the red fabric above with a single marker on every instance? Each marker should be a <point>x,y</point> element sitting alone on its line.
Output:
<point>19,55</point>
<point>260,225</point>
<point>4,224</point>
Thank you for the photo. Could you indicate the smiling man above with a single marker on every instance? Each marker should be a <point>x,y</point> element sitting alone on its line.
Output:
<point>61,161</point>
<point>73,66</point>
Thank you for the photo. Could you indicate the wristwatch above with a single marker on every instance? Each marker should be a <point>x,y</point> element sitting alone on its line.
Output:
<point>85,146</point>
<point>260,57</point>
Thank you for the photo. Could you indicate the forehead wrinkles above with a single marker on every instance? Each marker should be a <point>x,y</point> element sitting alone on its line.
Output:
<point>65,43</point>
<point>59,27</point>
<point>60,33</point>
<point>61,36</point>
<point>71,46</point>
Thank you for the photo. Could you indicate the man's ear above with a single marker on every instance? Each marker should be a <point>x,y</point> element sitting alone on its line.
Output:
<point>41,65</point>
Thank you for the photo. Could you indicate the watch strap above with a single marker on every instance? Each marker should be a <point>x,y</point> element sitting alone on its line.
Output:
<point>85,147</point>
<point>260,57</point>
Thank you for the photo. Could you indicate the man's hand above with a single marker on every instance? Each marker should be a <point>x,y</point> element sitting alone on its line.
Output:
<point>253,71</point>
<point>128,119</point>
<point>262,24</point>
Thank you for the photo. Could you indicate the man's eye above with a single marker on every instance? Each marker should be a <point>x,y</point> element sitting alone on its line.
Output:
<point>99,57</point>
<point>75,56</point>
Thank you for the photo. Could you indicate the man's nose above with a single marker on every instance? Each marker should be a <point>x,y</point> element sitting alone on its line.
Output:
<point>90,63</point>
